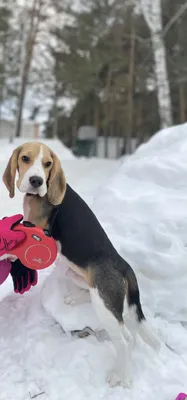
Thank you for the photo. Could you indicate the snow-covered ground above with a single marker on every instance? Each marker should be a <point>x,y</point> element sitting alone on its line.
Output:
<point>142,203</point>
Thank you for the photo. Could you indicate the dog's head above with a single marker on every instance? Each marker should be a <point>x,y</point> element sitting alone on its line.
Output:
<point>39,171</point>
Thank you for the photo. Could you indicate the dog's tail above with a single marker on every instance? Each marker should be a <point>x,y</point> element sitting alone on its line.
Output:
<point>133,299</point>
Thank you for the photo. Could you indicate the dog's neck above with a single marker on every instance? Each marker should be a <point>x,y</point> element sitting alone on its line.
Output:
<point>37,210</point>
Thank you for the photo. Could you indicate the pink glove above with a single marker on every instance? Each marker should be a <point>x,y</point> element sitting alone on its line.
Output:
<point>23,277</point>
<point>181,396</point>
<point>9,238</point>
<point>5,267</point>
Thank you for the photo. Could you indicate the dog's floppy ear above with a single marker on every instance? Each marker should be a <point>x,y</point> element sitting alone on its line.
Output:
<point>56,183</point>
<point>10,172</point>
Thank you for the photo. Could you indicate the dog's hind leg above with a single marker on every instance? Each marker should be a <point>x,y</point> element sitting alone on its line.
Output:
<point>107,293</point>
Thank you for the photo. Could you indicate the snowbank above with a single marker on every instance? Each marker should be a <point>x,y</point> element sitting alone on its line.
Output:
<point>144,209</point>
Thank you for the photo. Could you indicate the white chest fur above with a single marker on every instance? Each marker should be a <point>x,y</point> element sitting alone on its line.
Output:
<point>26,208</point>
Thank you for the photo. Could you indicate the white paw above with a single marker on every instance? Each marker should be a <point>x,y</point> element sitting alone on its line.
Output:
<point>70,299</point>
<point>80,297</point>
<point>115,379</point>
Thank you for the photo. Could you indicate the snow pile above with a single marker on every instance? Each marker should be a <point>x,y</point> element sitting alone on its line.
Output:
<point>148,196</point>
<point>143,207</point>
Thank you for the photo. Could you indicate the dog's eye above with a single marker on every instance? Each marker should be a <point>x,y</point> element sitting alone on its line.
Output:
<point>47,164</point>
<point>25,159</point>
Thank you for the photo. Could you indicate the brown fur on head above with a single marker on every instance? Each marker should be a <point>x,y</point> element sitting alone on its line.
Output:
<point>35,161</point>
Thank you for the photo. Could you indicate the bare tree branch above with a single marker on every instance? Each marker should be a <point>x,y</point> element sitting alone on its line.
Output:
<point>174,19</point>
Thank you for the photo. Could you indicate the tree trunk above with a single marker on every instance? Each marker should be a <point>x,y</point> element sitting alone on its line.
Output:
<point>96,124</point>
<point>34,22</point>
<point>153,16</point>
<point>107,111</point>
<point>131,88</point>
<point>74,132</point>
<point>3,81</point>
<point>55,122</point>
<point>106,152</point>
<point>181,87</point>
<point>21,102</point>
<point>55,114</point>
<point>163,91</point>
<point>182,102</point>
<point>118,143</point>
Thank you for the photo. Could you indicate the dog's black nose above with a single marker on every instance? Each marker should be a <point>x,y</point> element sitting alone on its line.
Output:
<point>36,181</point>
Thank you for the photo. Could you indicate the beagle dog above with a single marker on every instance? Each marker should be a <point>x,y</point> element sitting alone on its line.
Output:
<point>94,263</point>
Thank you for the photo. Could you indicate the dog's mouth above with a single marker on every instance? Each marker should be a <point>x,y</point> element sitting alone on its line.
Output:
<point>37,192</point>
<point>41,191</point>
<point>29,190</point>
<point>32,192</point>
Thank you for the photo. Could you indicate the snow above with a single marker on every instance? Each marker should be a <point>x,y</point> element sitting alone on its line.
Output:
<point>142,203</point>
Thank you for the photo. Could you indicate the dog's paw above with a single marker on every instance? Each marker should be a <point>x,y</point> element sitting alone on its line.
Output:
<point>70,299</point>
<point>115,380</point>
<point>80,297</point>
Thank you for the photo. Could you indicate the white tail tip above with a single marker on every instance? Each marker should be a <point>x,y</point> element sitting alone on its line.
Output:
<point>148,335</point>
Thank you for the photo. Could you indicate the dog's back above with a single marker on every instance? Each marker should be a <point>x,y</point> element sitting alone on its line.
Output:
<point>83,239</point>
